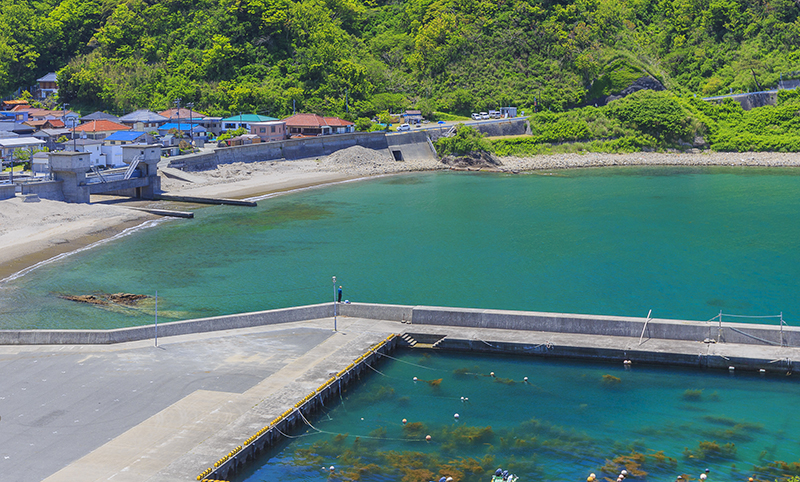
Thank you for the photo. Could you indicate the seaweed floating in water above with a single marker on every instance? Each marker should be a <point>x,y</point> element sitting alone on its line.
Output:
<point>692,395</point>
<point>610,380</point>
<point>779,468</point>
<point>415,429</point>
<point>711,450</point>
<point>504,381</point>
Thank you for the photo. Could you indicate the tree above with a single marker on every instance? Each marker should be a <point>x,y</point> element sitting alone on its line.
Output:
<point>467,140</point>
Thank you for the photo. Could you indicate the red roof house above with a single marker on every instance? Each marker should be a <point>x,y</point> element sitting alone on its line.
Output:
<point>316,125</point>
<point>100,129</point>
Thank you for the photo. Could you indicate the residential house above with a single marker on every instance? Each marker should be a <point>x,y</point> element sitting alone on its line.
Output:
<point>12,124</point>
<point>10,104</point>
<point>48,85</point>
<point>183,114</point>
<point>212,125</point>
<point>340,126</point>
<point>43,114</point>
<point>242,140</point>
<point>269,131</point>
<point>300,125</point>
<point>120,138</point>
<point>51,137</point>
<point>243,120</point>
<point>412,117</point>
<point>143,120</point>
<point>97,115</point>
<point>45,123</point>
<point>94,147</point>
<point>99,129</point>
<point>9,145</point>
<point>193,131</point>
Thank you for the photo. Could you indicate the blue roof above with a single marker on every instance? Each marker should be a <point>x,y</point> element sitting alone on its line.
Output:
<point>183,127</point>
<point>248,118</point>
<point>124,136</point>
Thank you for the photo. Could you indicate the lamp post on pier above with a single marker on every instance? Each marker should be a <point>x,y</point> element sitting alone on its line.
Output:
<point>334,303</point>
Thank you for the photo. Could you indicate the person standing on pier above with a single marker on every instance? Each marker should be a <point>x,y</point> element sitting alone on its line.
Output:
<point>340,294</point>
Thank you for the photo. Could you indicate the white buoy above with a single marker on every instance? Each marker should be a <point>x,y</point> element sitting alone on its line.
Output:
<point>731,368</point>
<point>332,469</point>
<point>404,421</point>
<point>428,438</point>
<point>525,379</point>
<point>762,371</point>
<point>466,399</point>
<point>455,416</point>
<point>462,399</point>
<point>491,374</point>
<point>415,379</point>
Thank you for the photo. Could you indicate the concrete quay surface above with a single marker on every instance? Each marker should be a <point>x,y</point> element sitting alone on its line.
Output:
<point>135,412</point>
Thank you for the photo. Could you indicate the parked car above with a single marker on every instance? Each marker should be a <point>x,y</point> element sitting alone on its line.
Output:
<point>484,115</point>
<point>476,116</point>
<point>403,127</point>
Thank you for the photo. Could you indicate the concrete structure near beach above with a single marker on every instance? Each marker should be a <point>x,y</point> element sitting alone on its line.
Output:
<point>110,405</point>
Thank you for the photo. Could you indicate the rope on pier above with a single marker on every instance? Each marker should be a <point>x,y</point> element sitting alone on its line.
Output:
<point>755,337</point>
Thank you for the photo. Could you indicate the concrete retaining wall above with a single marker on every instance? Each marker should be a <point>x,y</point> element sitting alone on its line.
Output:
<point>413,146</point>
<point>229,322</point>
<point>7,191</point>
<point>299,148</point>
<point>605,325</point>
<point>743,333</point>
<point>45,189</point>
<point>371,311</point>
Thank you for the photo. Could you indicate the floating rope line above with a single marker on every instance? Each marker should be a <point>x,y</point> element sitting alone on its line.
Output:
<point>413,364</point>
<point>293,436</point>
<point>360,436</point>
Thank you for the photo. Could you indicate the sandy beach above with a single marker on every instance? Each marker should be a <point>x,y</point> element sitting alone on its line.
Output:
<point>31,232</point>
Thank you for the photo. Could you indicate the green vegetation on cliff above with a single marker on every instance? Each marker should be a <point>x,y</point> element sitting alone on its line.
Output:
<point>370,56</point>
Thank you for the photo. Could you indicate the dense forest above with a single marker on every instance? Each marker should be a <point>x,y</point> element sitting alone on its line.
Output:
<point>356,58</point>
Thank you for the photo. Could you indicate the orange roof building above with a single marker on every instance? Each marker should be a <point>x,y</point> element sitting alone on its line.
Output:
<point>100,129</point>
<point>316,125</point>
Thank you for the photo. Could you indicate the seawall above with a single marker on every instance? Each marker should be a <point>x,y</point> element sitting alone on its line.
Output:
<point>599,325</point>
<point>299,148</point>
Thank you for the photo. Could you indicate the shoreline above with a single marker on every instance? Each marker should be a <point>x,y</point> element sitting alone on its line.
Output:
<point>31,233</point>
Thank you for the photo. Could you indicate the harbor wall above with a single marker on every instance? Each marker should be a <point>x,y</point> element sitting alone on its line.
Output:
<point>630,327</point>
<point>289,149</point>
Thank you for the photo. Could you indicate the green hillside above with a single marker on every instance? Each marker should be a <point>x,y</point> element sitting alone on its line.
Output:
<point>455,56</point>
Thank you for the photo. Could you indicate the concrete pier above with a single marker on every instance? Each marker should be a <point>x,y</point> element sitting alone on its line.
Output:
<point>109,405</point>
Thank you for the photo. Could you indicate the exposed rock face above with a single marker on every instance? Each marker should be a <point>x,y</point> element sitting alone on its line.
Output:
<point>642,83</point>
<point>127,299</point>
<point>473,160</point>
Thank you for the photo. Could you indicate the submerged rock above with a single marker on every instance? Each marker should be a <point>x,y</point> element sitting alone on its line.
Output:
<point>106,299</point>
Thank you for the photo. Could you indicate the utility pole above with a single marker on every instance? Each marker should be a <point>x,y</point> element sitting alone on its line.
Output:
<point>178,112</point>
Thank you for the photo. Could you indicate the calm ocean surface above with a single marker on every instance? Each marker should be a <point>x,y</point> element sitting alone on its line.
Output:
<point>683,242</point>
<point>569,420</point>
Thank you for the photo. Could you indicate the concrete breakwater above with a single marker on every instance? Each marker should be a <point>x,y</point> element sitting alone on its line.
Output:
<point>288,386</point>
<point>265,439</point>
<point>600,325</point>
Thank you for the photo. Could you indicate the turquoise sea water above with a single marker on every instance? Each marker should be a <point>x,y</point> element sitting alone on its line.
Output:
<point>570,419</point>
<point>683,242</point>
